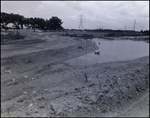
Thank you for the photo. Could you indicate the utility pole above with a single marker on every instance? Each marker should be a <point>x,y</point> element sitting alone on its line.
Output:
<point>125,27</point>
<point>142,28</point>
<point>81,22</point>
<point>134,25</point>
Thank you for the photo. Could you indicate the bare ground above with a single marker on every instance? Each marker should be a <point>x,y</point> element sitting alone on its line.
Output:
<point>35,81</point>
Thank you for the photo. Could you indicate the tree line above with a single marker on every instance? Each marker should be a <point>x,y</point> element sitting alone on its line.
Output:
<point>18,21</point>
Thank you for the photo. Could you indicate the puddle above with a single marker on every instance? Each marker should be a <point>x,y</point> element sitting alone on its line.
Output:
<point>112,50</point>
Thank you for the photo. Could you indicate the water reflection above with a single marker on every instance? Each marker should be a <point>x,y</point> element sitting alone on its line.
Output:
<point>112,50</point>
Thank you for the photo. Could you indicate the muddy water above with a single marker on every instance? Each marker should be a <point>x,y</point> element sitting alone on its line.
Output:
<point>113,50</point>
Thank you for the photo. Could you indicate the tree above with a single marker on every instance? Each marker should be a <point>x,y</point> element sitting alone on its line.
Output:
<point>55,23</point>
<point>18,21</point>
<point>40,22</point>
<point>5,19</point>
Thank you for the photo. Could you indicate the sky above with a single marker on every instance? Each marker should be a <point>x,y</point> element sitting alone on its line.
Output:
<point>117,15</point>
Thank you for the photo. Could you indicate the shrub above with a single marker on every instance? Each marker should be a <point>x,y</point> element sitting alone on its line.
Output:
<point>15,35</point>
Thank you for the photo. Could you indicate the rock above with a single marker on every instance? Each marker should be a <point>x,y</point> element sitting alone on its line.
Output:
<point>104,111</point>
<point>66,93</point>
<point>31,105</point>
<point>97,52</point>
<point>40,98</point>
<point>14,80</point>
<point>36,111</point>
<point>77,89</point>
<point>52,108</point>
<point>80,47</point>
<point>34,92</point>
<point>7,71</point>
<point>45,89</point>
<point>80,105</point>
<point>137,70</point>
<point>138,89</point>
<point>97,76</point>
<point>106,91</point>
<point>130,97</point>
<point>92,85</point>
<point>25,76</point>
<point>79,97</point>
<point>100,95</point>
<point>25,92</point>
<point>21,99</point>
<point>41,106</point>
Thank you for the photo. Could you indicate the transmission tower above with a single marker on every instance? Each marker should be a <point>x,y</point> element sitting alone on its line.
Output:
<point>81,20</point>
<point>134,25</point>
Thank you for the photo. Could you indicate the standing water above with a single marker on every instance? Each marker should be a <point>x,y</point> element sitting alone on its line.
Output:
<point>113,50</point>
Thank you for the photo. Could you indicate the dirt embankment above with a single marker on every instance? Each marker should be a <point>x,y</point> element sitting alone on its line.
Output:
<point>61,90</point>
<point>41,84</point>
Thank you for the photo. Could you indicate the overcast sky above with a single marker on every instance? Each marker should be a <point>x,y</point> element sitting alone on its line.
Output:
<point>97,14</point>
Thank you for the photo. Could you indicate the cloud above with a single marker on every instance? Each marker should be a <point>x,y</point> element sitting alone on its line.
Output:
<point>107,14</point>
<point>26,8</point>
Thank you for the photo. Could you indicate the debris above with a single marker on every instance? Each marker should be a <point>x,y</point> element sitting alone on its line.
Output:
<point>31,105</point>
<point>34,92</point>
<point>98,52</point>
<point>32,78</point>
<point>86,79</point>
<point>9,84</point>
<point>25,92</point>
